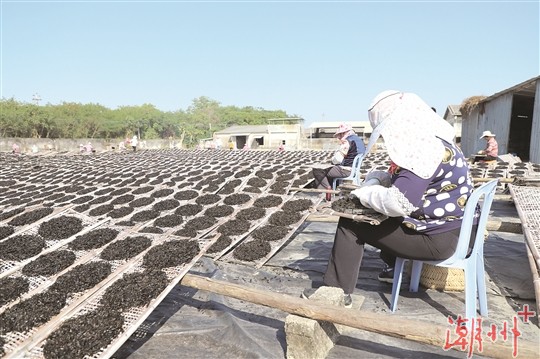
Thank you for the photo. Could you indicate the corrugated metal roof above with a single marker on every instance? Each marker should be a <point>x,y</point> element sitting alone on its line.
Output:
<point>526,88</point>
<point>243,130</point>
<point>452,110</point>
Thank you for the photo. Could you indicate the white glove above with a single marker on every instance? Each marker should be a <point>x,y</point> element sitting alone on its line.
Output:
<point>337,158</point>
<point>388,201</point>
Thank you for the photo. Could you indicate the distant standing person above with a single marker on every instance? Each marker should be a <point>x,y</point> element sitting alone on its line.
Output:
<point>492,148</point>
<point>134,143</point>
<point>15,149</point>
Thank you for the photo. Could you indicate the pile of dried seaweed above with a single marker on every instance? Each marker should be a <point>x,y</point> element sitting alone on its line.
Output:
<point>135,290</point>
<point>126,248</point>
<point>82,277</point>
<point>84,335</point>
<point>50,263</point>
<point>252,250</point>
<point>11,288</point>
<point>93,239</point>
<point>21,247</point>
<point>171,254</point>
<point>31,312</point>
<point>30,217</point>
<point>60,227</point>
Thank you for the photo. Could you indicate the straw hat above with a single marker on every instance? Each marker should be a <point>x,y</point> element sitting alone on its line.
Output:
<point>487,134</point>
<point>342,129</point>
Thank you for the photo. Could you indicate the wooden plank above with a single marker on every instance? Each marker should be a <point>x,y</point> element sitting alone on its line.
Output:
<point>386,324</point>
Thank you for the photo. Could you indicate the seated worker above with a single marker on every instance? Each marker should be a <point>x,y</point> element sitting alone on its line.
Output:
<point>492,148</point>
<point>429,187</point>
<point>351,145</point>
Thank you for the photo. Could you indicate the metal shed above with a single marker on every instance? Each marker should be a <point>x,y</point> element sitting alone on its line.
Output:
<point>512,114</point>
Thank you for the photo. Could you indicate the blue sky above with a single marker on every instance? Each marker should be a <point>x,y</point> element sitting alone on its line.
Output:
<point>321,60</point>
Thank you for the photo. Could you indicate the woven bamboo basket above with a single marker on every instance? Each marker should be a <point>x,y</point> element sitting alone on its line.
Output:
<point>442,278</point>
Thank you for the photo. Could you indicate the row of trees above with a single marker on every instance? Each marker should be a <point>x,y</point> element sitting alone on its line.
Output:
<point>74,120</point>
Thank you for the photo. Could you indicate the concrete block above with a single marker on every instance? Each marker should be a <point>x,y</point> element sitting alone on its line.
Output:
<point>312,339</point>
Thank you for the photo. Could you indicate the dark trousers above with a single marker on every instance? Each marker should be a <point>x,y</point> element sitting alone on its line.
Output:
<point>393,239</point>
<point>324,177</point>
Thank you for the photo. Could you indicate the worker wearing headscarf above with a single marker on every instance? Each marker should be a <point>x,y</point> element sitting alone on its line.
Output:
<point>350,146</point>
<point>424,193</point>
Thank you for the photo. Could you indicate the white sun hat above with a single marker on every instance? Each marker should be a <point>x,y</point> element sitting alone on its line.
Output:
<point>411,131</point>
<point>487,134</point>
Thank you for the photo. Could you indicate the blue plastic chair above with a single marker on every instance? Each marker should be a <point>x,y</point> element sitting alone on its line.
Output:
<point>473,266</point>
<point>355,172</point>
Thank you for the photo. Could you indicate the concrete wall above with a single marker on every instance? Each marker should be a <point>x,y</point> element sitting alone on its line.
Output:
<point>72,145</point>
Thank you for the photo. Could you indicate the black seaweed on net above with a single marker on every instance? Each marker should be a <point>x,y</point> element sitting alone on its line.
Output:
<point>264,174</point>
<point>171,254</point>
<point>145,215</point>
<point>219,245</point>
<point>199,223</point>
<point>283,218</point>
<point>279,185</point>
<point>104,191</point>
<point>297,205</point>
<point>11,213</point>
<point>208,199</point>
<point>50,263</point>
<point>65,198</point>
<point>21,247</point>
<point>2,343</point>
<point>135,290</point>
<point>250,189</point>
<point>6,231</point>
<point>257,182</point>
<point>189,209</point>
<point>251,214</point>
<point>185,195</point>
<point>94,239</point>
<point>156,181</point>
<point>54,196</point>
<point>211,189</point>
<point>143,190</point>
<point>82,199</point>
<point>82,277</point>
<point>125,223</point>
<point>234,227</point>
<point>31,312</point>
<point>11,288</point>
<point>60,227</point>
<point>101,210</point>
<point>162,192</point>
<point>120,191</point>
<point>82,208</point>
<point>268,201</point>
<point>253,250</point>
<point>166,205</point>
<point>170,220</point>
<point>86,190</point>
<point>219,211</point>
<point>72,189</point>
<point>120,212</point>
<point>287,177</point>
<point>243,173</point>
<point>140,202</point>
<point>84,335</point>
<point>125,248</point>
<point>236,199</point>
<point>270,232</point>
<point>227,190</point>
<point>99,200</point>
<point>123,199</point>
<point>151,229</point>
<point>186,232</point>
